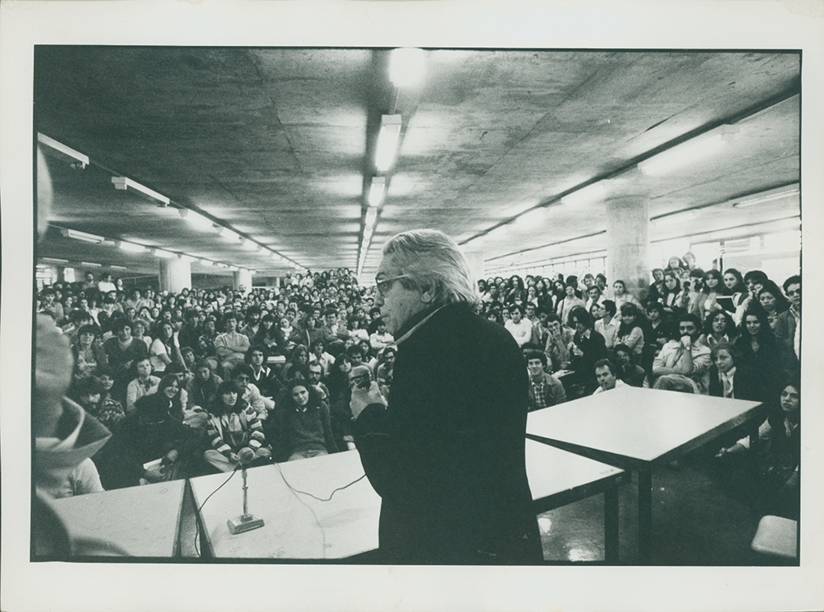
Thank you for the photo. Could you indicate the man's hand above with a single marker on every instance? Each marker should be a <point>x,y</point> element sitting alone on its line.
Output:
<point>361,398</point>
<point>686,342</point>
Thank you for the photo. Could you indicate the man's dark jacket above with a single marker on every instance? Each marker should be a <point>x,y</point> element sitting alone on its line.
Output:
<point>447,456</point>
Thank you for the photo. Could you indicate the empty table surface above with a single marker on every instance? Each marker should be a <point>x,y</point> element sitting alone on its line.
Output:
<point>554,473</point>
<point>142,521</point>
<point>643,425</point>
<point>296,526</point>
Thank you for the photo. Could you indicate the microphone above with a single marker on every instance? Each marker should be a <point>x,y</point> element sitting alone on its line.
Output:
<point>246,521</point>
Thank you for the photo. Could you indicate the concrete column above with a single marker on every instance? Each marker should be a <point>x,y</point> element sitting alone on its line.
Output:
<point>175,274</point>
<point>474,256</point>
<point>628,243</point>
<point>242,280</point>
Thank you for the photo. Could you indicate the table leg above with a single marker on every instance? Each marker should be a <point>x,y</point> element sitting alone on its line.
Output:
<point>644,514</point>
<point>611,525</point>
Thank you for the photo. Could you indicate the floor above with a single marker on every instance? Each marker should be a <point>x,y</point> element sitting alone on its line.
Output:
<point>698,519</point>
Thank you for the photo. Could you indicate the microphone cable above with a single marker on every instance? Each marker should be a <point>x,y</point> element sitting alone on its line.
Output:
<point>197,513</point>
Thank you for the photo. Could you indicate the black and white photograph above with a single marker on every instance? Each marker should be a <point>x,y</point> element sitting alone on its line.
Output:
<point>483,309</point>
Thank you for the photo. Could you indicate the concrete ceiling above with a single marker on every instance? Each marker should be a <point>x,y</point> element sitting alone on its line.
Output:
<point>277,144</point>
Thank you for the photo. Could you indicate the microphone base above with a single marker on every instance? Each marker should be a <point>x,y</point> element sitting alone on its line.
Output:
<point>244,522</point>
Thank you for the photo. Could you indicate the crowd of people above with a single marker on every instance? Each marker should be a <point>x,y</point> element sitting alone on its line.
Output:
<point>185,380</point>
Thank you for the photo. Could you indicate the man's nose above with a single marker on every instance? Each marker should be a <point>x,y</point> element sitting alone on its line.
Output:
<point>378,299</point>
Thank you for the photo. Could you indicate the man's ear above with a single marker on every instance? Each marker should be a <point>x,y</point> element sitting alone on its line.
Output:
<point>427,295</point>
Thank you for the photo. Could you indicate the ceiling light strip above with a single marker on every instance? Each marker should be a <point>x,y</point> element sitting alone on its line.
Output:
<point>59,147</point>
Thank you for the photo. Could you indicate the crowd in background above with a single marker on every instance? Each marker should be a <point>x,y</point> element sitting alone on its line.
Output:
<point>185,380</point>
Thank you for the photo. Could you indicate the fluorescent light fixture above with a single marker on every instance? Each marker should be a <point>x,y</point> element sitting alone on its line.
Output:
<point>227,234</point>
<point>590,194</point>
<point>407,66</point>
<point>58,147</point>
<point>377,191</point>
<point>186,258</point>
<point>91,264</point>
<point>162,253</point>
<point>688,152</point>
<point>54,260</point>
<point>388,137</point>
<point>82,236</point>
<point>131,247</point>
<point>118,267</point>
<point>196,219</point>
<point>371,216</point>
<point>250,245</point>
<point>122,183</point>
<point>765,196</point>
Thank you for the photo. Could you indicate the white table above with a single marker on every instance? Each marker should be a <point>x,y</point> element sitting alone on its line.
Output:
<point>636,428</point>
<point>348,525</point>
<point>343,527</point>
<point>140,521</point>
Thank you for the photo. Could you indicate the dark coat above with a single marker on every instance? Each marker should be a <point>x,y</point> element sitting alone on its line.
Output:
<point>447,456</point>
<point>745,385</point>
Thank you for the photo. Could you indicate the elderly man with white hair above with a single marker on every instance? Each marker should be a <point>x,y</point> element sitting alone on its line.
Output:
<point>447,454</point>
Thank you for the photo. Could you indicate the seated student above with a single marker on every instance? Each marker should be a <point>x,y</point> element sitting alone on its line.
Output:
<point>544,389</point>
<point>301,425</point>
<point>606,377</point>
<point>778,454</point>
<point>202,389</point>
<point>319,355</point>
<point>718,328</point>
<point>727,380</point>
<point>179,372</point>
<point>625,367</point>
<point>631,331</point>
<point>518,327</point>
<point>110,411</point>
<point>380,338</point>
<point>315,373</point>
<point>233,425</point>
<point>557,343</point>
<point>606,323</point>
<point>231,345</point>
<point>249,392</point>
<point>340,393</point>
<point>262,376</point>
<point>586,348</point>
<point>685,356</point>
<point>385,371</point>
<point>88,352</point>
<point>123,351</point>
<point>152,434</point>
<point>144,384</point>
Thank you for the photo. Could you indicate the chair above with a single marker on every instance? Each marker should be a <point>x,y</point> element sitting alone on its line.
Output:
<point>776,536</point>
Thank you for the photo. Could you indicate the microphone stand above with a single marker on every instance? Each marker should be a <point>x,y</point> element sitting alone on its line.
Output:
<point>246,521</point>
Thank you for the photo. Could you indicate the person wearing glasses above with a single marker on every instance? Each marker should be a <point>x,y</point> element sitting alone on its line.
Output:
<point>446,454</point>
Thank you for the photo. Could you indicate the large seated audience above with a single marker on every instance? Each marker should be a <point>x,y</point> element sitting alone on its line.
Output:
<point>185,380</point>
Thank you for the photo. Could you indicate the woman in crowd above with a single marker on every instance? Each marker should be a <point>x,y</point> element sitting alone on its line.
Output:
<point>773,302</point>
<point>152,444</point>
<point>719,327</point>
<point>656,287</point>
<point>302,426</point>
<point>143,384</point>
<point>734,285</point>
<point>516,292</point>
<point>233,425</point>
<point>671,298</point>
<point>706,302</point>
<point>163,350</point>
<point>267,335</point>
<point>297,360</point>
<point>732,381</point>
<point>88,353</point>
<point>626,368</point>
<point>631,330</point>
<point>110,410</point>
<point>759,351</point>
<point>621,296</point>
<point>139,327</point>
<point>571,299</point>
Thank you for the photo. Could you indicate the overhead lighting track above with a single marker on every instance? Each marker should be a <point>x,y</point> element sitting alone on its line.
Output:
<point>122,183</point>
<point>78,159</point>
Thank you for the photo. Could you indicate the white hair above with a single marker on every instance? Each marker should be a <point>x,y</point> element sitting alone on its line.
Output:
<point>432,261</point>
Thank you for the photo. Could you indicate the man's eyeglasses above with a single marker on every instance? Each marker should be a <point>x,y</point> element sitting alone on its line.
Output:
<point>384,284</point>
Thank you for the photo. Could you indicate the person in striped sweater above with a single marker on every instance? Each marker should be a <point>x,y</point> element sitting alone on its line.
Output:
<point>232,425</point>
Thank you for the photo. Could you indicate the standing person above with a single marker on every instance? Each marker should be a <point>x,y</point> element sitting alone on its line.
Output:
<point>606,322</point>
<point>621,296</point>
<point>571,299</point>
<point>231,345</point>
<point>587,347</point>
<point>788,325</point>
<point>447,455</point>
